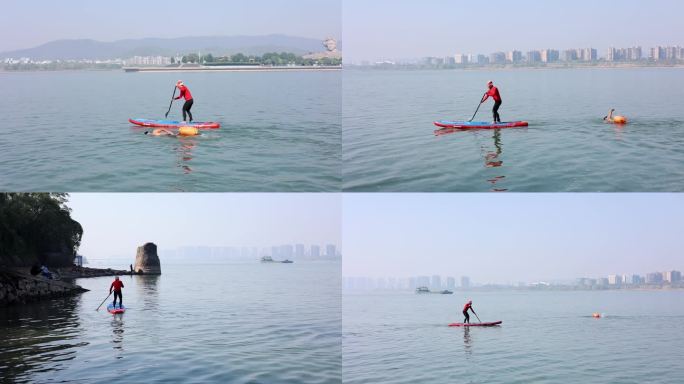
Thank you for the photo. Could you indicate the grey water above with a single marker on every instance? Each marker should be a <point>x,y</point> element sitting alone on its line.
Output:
<point>69,132</point>
<point>389,142</point>
<point>545,337</point>
<point>238,323</point>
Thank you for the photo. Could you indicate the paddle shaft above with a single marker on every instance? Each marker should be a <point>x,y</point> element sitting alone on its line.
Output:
<point>478,317</point>
<point>478,108</point>
<point>103,301</point>
<point>171,103</point>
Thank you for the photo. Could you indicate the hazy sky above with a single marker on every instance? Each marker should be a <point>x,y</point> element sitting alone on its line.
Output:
<point>512,237</point>
<point>34,22</point>
<point>386,29</point>
<point>116,224</point>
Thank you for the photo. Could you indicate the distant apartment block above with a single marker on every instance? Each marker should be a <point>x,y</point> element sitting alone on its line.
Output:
<point>461,59</point>
<point>514,57</point>
<point>497,58</point>
<point>148,60</point>
<point>654,278</point>
<point>672,276</point>
<point>614,279</point>
<point>436,282</point>
<point>549,55</point>
<point>533,57</point>
<point>465,282</point>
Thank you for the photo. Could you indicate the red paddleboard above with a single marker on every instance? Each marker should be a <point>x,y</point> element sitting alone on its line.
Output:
<point>174,124</point>
<point>479,124</point>
<point>492,324</point>
<point>115,310</point>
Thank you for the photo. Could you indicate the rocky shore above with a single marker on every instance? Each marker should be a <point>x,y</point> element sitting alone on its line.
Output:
<point>21,287</point>
<point>84,272</point>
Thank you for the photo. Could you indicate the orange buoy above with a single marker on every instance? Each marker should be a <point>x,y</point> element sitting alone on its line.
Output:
<point>188,131</point>
<point>596,315</point>
<point>620,120</point>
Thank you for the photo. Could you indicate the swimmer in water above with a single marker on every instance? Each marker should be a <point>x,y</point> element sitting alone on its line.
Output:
<point>609,118</point>
<point>160,132</point>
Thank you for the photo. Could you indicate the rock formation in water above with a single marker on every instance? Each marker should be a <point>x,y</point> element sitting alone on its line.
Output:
<point>147,260</point>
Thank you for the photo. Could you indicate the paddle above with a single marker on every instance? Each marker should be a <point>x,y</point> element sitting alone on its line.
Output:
<point>478,317</point>
<point>103,301</point>
<point>171,103</point>
<point>478,108</point>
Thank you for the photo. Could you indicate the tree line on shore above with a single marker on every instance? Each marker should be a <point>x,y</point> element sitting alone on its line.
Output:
<point>271,58</point>
<point>37,228</point>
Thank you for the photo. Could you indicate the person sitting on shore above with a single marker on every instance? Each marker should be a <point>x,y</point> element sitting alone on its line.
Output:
<point>116,287</point>
<point>46,272</point>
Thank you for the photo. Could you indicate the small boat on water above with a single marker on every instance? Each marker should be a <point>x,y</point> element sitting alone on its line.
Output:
<point>427,290</point>
<point>269,259</point>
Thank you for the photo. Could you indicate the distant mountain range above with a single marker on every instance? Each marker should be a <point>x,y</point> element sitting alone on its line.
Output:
<point>216,45</point>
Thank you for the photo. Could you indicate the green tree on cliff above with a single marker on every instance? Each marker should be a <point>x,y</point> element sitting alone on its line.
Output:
<point>37,228</point>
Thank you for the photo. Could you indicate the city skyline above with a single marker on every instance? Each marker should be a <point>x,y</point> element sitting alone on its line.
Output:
<point>435,282</point>
<point>394,30</point>
<point>518,237</point>
<point>115,224</point>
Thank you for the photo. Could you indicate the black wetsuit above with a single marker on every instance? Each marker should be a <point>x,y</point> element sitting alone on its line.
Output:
<point>495,111</point>
<point>118,293</point>
<point>186,109</point>
<point>466,319</point>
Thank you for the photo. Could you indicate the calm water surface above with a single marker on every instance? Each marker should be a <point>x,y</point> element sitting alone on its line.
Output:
<point>69,131</point>
<point>546,337</point>
<point>242,323</point>
<point>389,142</point>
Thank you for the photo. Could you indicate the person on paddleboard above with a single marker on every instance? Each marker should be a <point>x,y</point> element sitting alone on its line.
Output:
<point>185,93</point>
<point>116,287</point>
<point>468,306</point>
<point>493,92</point>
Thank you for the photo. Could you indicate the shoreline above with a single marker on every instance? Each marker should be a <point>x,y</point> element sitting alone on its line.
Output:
<point>18,286</point>
<point>304,68</point>
<point>414,67</point>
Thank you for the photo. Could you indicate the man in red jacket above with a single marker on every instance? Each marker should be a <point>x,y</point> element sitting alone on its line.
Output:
<point>185,93</point>
<point>116,287</point>
<point>494,93</point>
<point>468,306</point>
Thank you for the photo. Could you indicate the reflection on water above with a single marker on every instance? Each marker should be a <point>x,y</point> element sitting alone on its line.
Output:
<point>467,341</point>
<point>492,159</point>
<point>491,153</point>
<point>184,150</point>
<point>117,324</point>
<point>146,289</point>
<point>33,334</point>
